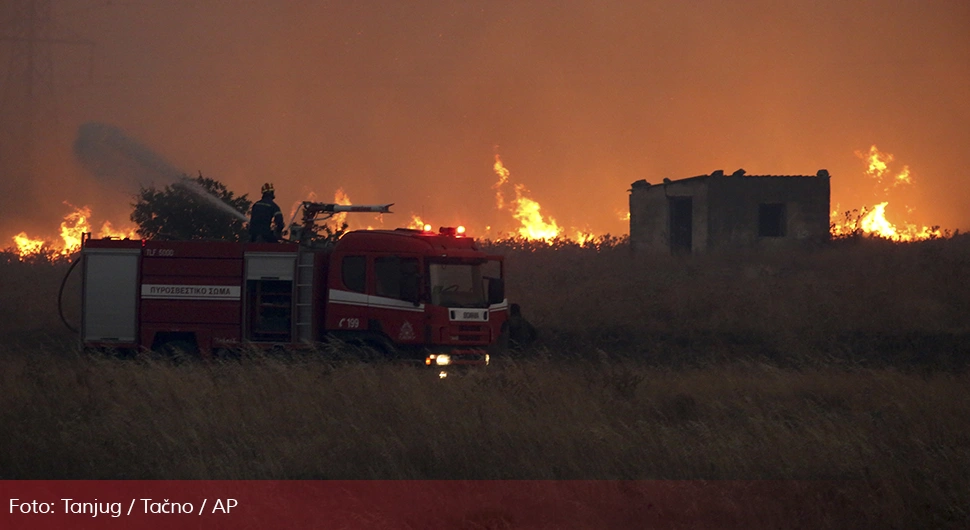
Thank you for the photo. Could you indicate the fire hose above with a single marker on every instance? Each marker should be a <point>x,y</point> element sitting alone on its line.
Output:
<point>60,294</point>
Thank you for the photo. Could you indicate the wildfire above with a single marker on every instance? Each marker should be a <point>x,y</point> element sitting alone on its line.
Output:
<point>878,162</point>
<point>524,209</point>
<point>74,225</point>
<point>873,221</point>
<point>27,246</point>
<point>417,224</point>
<point>503,177</point>
<point>584,237</point>
<point>527,212</point>
<point>340,197</point>
<point>877,168</point>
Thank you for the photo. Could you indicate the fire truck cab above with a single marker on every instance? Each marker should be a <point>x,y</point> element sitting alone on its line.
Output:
<point>435,298</point>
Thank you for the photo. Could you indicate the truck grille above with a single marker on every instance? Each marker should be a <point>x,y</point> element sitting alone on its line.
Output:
<point>468,333</point>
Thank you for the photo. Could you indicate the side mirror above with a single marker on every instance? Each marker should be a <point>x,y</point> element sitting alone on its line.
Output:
<point>496,291</point>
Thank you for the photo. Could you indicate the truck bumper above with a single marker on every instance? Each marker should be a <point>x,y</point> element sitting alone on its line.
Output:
<point>452,358</point>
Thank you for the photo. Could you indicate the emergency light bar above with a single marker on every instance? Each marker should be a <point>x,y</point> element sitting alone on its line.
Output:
<point>451,230</point>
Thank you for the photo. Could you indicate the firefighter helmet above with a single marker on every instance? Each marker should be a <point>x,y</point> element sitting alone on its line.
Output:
<point>267,188</point>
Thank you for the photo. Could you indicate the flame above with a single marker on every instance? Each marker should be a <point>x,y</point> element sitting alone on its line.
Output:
<point>72,229</point>
<point>873,221</point>
<point>584,237</point>
<point>27,246</point>
<point>527,212</point>
<point>417,224</point>
<point>877,162</point>
<point>74,226</point>
<point>353,222</point>
<point>340,197</point>
<point>877,167</point>
<point>902,177</point>
<point>108,230</point>
<point>503,177</point>
<point>524,209</point>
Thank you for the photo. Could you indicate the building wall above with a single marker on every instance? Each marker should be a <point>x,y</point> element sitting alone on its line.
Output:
<point>726,210</point>
<point>648,220</point>
<point>734,208</point>
<point>650,215</point>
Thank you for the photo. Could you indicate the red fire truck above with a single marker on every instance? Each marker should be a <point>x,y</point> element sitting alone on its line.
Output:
<point>430,297</point>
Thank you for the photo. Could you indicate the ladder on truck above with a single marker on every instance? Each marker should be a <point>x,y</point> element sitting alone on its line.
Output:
<point>306,233</point>
<point>304,296</point>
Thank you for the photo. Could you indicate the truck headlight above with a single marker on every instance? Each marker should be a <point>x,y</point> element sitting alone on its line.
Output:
<point>443,359</point>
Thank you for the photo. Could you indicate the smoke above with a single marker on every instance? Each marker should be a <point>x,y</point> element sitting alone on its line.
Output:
<point>116,158</point>
<point>119,160</point>
<point>396,103</point>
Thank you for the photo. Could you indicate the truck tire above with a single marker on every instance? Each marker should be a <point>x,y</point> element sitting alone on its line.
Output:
<point>179,349</point>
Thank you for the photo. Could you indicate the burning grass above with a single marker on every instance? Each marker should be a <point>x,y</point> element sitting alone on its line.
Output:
<point>74,225</point>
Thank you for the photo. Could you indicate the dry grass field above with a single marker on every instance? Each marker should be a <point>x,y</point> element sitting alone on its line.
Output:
<point>843,366</point>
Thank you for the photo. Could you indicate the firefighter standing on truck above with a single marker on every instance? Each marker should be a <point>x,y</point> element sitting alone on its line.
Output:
<point>266,220</point>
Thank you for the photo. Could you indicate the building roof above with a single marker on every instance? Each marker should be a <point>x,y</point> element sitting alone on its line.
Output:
<point>642,183</point>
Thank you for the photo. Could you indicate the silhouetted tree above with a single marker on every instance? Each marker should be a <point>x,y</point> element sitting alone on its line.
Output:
<point>326,234</point>
<point>181,211</point>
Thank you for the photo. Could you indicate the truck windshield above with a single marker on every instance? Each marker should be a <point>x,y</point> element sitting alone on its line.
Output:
<point>457,285</point>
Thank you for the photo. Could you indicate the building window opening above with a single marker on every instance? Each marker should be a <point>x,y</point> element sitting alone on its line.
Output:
<point>771,220</point>
<point>681,224</point>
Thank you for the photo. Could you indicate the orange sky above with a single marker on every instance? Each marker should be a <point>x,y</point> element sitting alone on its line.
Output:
<point>405,102</point>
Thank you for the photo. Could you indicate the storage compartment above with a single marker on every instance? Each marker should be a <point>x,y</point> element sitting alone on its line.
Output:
<point>110,309</point>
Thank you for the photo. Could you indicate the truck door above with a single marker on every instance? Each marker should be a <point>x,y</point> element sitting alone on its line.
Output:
<point>110,301</point>
<point>395,305</point>
<point>347,294</point>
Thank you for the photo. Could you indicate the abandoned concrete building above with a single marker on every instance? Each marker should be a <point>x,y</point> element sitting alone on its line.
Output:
<point>717,211</point>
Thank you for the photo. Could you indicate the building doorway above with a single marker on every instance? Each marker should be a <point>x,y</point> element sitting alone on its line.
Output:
<point>681,224</point>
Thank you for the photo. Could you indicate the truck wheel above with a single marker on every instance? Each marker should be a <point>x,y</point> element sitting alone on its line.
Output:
<point>179,349</point>
<point>371,350</point>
